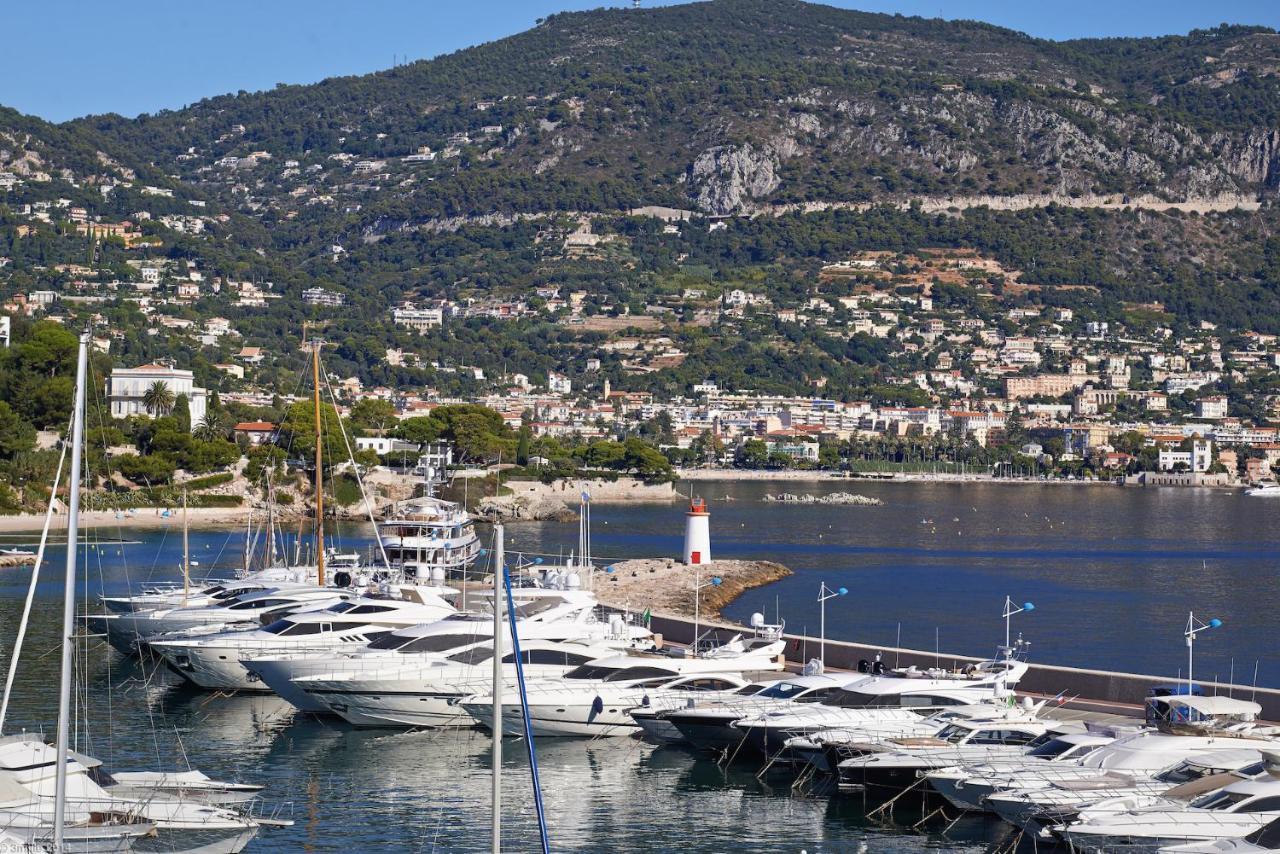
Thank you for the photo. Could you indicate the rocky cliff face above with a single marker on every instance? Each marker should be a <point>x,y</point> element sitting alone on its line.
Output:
<point>1004,147</point>
<point>726,179</point>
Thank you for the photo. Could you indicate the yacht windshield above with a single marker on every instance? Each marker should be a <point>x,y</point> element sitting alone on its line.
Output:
<point>954,733</point>
<point>341,607</point>
<point>475,655</point>
<point>1051,748</point>
<point>782,691</point>
<point>1220,800</point>
<point>370,609</point>
<point>437,643</point>
<point>631,673</point>
<point>1183,772</point>
<point>288,628</point>
<point>590,671</point>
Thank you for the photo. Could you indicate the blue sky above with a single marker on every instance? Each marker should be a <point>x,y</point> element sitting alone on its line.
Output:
<point>61,60</point>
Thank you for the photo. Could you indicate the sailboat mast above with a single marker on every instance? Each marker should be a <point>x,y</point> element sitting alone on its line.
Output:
<point>315,375</point>
<point>499,557</point>
<point>186,553</point>
<point>69,596</point>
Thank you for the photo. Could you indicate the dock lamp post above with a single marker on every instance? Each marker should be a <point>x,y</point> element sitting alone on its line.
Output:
<point>698,584</point>
<point>1193,628</point>
<point>825,593</point>
<point>1009,610</point>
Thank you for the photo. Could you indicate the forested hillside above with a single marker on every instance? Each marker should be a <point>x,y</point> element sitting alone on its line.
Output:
<point>462,177</point>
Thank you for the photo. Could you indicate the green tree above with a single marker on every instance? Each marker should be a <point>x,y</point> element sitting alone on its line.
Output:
<point>751,454</point>
<point>158,399</point>
<point>297,432</point>
<point>16,434</point>
<point>182,412</point>
<point>522,445</point>
<point>209,428</point>
<point>372,413</point>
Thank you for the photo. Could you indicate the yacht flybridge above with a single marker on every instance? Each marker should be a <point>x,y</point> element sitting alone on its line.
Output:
<point>427,534</point>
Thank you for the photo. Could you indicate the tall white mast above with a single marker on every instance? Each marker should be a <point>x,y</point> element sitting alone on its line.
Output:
<point>69,593</point>
<point>499,557</point>
<point>186,554</point>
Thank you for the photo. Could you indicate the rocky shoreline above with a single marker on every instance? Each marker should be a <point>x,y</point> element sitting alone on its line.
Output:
<point>664,584</point>
<point>849,498</point>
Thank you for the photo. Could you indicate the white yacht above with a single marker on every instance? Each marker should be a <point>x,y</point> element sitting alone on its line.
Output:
<point>549,614</point>
<point>595,699</point>
<point>214,661</point>
<point>1264,490</point>
<point>1224,739</point>
<point>428,533</point>
<point>825,749</point>
<point>898,763</point>
<point>428,693</point>
<point>896,694</point>
<point>709,725</point>
<point>1233,812</point>
<point>967,787</point>
<point>28,768</point>
<point>132,631</point>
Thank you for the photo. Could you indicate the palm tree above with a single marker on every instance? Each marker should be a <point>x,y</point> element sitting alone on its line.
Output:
<point>208,429</point>
<point>158,399</point>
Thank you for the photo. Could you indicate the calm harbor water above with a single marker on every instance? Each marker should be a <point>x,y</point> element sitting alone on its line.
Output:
<point>1112,573</point>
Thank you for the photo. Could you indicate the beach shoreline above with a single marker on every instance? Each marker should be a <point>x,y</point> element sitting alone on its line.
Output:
<point>149,517</point>
<point>789,475</point>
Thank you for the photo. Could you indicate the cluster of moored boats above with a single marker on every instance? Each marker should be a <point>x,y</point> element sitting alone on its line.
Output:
<point>1197,772</point>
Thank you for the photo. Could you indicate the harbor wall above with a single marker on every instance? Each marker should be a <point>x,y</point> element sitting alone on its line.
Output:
<point>1079,684</point>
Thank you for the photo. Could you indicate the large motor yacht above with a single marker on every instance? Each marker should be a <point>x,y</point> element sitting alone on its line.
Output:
<point>565,613</point>
<point>214,661</point>
<point>428,533</point>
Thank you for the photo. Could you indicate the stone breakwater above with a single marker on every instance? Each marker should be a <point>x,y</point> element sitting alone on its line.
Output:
<point>832,498</point>
<point>663,584</point>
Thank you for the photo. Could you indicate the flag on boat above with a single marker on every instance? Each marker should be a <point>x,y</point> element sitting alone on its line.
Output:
<point>646,617</point>
<point>586,496</point>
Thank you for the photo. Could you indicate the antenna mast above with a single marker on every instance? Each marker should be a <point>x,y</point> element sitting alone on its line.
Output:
<point>315,375</point>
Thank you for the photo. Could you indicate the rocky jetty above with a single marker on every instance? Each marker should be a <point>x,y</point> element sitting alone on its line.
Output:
<point>830,498</point>
<point>666,585</point>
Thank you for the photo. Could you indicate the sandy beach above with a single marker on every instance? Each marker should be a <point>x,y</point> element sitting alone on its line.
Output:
<point>150,517</point>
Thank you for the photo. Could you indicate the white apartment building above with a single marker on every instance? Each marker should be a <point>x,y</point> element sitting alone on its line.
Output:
<point>127,386</point>
<point>320,296</point>
<point>418,319</point>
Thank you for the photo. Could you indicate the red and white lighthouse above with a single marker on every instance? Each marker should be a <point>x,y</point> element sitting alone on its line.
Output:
<point>697,533</point>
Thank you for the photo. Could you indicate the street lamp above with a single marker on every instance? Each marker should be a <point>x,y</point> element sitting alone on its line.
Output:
<point>1009,610</point>
<point>698,584</point>
<point>1190,634</point>
<point>825,593</point>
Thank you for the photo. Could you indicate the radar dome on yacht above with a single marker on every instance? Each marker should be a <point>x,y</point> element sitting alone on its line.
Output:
<point>437,574</point>
<point>757,620</point>
<point>572,581</point>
